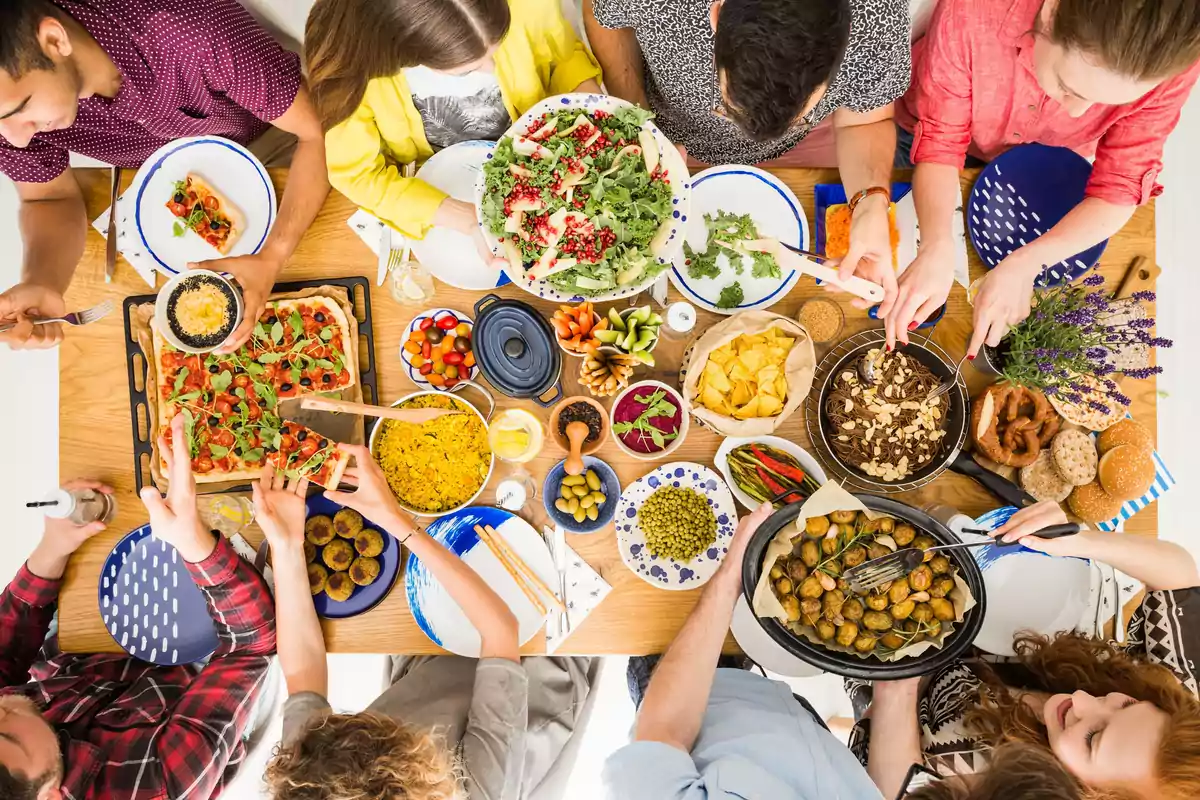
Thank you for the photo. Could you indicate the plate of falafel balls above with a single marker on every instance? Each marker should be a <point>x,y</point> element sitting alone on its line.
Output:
<point>352,563</point>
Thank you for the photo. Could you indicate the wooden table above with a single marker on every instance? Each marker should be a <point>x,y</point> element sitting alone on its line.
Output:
<point>636,618</point>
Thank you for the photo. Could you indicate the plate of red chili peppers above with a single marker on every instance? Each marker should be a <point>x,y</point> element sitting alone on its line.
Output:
<point>437,348</point>
<point>767,468</point>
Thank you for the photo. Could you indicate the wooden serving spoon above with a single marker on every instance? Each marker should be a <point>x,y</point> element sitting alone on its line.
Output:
<point>576,433</point>
<point>413,415</point>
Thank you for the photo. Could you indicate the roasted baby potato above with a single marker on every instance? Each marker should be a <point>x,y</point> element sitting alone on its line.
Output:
<point>898,592</point>
<point>865,643</point>
<point>816,526</point>
<point>902,610</point>
<point>810,611</point>
<point>825,629</point>
<point>791,607</point>
<point>810,553</point>
<point>920,578</point>
<point>891,641</point>
<point>811,587</point>
<point>784,585</point>
<point>940,565</point>
<point>797,571</point>
<point>922,613</point>
<point>877,621</point>
<point>854,555</point>
<point>776,572</point>
<point>853,609</point>
<point>843,517</point>
<point>923,542</point>
<point>943,609</point>
<point>847,632</point>
<point>877,602</point>
<point>876,550</point>
<point>831,603</point>
<point>904,534</point>
<point>830,546</point>
<point>941,586</point>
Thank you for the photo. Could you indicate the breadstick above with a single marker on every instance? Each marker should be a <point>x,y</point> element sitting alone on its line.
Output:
<point>511,569</point>
<point>524,568</point>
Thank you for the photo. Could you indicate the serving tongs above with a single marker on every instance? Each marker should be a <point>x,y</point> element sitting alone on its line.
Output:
<point>810,263</point>
<point>893,566</point>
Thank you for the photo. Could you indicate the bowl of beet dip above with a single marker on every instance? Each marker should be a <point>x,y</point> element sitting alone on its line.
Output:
<point>649,420</point>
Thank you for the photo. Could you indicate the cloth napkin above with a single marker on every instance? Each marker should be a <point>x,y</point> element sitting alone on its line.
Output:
<point>129,244</point>
<point>585,590</point>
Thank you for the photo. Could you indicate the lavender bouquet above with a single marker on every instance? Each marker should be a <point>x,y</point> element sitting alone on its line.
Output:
<point>1076,330</point>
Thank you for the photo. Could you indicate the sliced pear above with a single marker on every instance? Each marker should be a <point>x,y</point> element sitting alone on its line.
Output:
<point>627,150</point>
<point>519,172</point>
<point>545,132</point>
<point>513,224</point>
<point>516,265</point>
<point>580,122</point>
<point>527,204</point>
<point>649,149</point>
<point>524,146</point>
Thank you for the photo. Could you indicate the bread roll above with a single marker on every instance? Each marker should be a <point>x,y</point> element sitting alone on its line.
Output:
<point>1126,472</point>
<point>1125,432</point>
<point>1092,504</point>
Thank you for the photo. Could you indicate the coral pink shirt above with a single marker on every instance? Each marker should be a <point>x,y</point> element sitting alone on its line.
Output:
<point>974,91</point>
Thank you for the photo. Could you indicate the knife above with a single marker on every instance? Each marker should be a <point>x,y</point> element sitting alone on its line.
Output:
<point>110,259</point>
<point>385,252</point>
<point>799,260</point>
<point>559,548</point>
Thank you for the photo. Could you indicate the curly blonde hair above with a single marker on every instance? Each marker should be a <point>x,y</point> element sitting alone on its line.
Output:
<point>363,757</point>
<point>1068,663</point>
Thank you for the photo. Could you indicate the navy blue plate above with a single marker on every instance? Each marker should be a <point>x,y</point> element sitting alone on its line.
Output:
<point>611,488</point>
<point>150,605</point>
<point>1023,194</point>
<point>365,597</point>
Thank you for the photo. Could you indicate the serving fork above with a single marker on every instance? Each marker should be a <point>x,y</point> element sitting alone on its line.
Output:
<point>878,571</point>
<point>85,317</point>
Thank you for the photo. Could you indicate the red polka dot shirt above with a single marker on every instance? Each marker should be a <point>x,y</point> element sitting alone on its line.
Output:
<point>188,69</point>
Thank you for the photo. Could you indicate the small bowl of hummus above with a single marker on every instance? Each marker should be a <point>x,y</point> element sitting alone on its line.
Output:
<point>197,310</point>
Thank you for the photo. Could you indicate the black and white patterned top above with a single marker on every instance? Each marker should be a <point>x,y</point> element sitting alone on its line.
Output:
<point>676,39</point>
<point>1164,630</point>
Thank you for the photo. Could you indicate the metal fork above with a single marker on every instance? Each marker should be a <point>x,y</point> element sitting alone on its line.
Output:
<point>85,317</point>
<point>878,571</point>
<point>947,385</point>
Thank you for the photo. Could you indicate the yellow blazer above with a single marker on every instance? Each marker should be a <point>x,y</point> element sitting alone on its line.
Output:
<point>539,57</point>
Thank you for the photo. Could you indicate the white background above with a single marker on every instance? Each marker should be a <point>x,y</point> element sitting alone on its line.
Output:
<point>29,410</point>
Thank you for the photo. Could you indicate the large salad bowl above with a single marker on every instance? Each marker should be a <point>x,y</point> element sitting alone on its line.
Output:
<point>612,218</point>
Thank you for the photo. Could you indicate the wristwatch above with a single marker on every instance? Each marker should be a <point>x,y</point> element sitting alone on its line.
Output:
<point>865,193</point>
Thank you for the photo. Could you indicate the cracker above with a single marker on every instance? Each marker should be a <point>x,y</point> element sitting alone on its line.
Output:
<point>1074,455</point>
<point>1041,479</point>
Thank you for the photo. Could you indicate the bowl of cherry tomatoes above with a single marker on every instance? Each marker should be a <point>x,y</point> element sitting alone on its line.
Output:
<point>437,349</point>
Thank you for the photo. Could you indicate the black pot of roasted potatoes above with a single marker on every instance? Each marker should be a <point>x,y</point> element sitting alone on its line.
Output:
<point>867,636</point>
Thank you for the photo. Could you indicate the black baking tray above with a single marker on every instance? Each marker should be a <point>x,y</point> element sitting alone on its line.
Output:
<point>360,298</point>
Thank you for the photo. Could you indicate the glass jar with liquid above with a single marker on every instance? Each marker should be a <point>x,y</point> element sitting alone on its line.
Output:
<point>80,506</point>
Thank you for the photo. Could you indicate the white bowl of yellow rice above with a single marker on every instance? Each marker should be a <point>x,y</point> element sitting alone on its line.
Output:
<point>439,466</point>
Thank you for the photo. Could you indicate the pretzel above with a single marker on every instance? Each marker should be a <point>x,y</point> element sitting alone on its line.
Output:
<point>1011,424</point>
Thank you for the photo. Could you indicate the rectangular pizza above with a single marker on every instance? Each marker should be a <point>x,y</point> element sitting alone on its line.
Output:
<point>230,402</point>
<point>200,208</point>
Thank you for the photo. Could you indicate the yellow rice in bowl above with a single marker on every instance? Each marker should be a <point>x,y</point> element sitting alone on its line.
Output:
<point>437,466</point>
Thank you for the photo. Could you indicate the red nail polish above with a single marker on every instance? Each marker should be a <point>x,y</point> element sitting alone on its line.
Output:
<point>912,326</point>
<point>970,358</point>
<point>889,348</point>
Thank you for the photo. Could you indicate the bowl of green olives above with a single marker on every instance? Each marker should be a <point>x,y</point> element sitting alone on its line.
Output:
<point>860,635</point>
<point>582,503</point>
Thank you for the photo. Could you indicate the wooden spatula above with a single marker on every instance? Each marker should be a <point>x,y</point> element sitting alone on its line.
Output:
<point>413,415</point>
<point>789,258</point>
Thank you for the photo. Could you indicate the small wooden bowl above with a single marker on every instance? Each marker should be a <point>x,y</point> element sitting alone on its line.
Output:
<point>561,440</point>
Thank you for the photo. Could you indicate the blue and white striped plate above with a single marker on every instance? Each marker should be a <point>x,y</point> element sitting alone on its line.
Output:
<point>1023,194</point>
<point>777,214</point>
<point>438,615</point>
<point>150,605</point>
<point>231,169</point>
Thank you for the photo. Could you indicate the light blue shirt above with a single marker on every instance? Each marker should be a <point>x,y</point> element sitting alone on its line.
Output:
<point>756,743</point>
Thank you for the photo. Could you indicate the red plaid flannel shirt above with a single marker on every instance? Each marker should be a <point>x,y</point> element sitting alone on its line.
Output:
<point>136,731</point>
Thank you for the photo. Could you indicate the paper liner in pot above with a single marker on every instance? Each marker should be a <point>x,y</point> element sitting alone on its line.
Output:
<point>832,497</point>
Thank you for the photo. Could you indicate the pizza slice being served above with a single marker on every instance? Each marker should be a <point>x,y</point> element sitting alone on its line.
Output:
<point>298,452</point>
<point>203,210</point>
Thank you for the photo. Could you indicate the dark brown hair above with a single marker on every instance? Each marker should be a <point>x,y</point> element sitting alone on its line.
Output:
<point>20,50</point>
<point>347,43</point>
<point>1140,39</point>
<point>1016,772</point>
<point>1069,663</point>
<point>362,757</point>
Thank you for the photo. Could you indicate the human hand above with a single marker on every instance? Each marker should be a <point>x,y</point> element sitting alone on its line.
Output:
<point>25,302</point>
<point>1004,299</point>
<point>742,536</point>
<point>256,275</point>
<point>175,519</point>
<point>61,537</point>
<point>1028,521</point>
<point>279,509</point>
<point>373,498</point>
<point>870,253</point>
<point>460,216</point>
<point>921,289</point>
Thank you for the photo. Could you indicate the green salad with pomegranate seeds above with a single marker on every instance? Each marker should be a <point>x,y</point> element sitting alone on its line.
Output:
<point>580,201</point>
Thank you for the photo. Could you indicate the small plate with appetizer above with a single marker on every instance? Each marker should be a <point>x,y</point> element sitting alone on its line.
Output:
<point>733,208</point>
<point>759,468</point>
<point>200,199</point>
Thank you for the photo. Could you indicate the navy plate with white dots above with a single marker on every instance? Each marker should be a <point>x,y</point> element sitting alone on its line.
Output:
<point>1023,194</point>
<point>150,605</point>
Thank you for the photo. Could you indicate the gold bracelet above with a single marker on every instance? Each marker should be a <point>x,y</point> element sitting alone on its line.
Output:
<point>865,193</point>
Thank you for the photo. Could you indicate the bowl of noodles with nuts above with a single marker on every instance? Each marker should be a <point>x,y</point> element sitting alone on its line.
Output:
<point>439,466</point>
<point>793,579</point>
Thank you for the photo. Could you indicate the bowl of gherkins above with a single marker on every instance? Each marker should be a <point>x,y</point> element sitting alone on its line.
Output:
<point>583,503</point>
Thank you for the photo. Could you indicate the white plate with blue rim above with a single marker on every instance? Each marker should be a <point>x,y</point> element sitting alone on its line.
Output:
<point>230,169</point>
<point>777,214</point>
<point>438,615</point>
<point>670,237</point>
<point>450,255</point>
<point>668,573</point>
<point>150,605</point>
<point>1026,590</point>
<point>807,463</point>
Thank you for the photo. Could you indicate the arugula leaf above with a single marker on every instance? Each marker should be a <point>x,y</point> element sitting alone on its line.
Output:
<point>220,382</point>
<point>180,378</point>
<point>187,397</point>
<point>260,332</point>
<point>657,405</point>
<point>189,431</point>
<point>179,229</point>
<point>295,375</point>
<point>326,334</point>
<point>218,451</point>
<point>297,325</point>
<point>731,296</point>
<point>253,456</point>
<point>277,332</point>
<point>270,358</point>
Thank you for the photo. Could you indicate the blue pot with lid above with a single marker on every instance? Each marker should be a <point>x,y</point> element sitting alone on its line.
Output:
<point>516,350</point>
